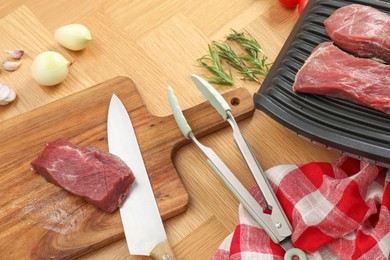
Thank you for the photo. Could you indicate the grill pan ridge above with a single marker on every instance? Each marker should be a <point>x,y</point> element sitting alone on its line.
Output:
<point>353,129</point>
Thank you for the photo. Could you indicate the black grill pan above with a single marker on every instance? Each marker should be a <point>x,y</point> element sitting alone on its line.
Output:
<point>353,129</point>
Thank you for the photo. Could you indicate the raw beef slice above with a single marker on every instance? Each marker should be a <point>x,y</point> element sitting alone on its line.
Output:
<point>333,72</point>
<point>101,178</point>
<point>361,30</point>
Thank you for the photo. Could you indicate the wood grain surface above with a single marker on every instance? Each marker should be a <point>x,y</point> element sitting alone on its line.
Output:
<point>156,44</point>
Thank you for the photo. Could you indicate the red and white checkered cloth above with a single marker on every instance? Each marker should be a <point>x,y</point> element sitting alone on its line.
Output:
<point>338,210</point>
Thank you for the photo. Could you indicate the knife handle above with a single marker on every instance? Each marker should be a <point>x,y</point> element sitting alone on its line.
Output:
<point>163,251</point>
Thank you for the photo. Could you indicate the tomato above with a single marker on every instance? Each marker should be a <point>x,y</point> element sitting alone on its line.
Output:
<point>289,3</point>
<point>301,5</point>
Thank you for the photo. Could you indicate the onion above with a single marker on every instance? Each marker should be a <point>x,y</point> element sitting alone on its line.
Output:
<point>74,37</point>
<point>50,68</point>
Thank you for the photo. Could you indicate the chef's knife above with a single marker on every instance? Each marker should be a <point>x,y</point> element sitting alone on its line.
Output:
<point>142,224</point>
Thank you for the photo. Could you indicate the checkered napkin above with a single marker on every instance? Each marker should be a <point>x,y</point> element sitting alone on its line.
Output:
<point>338,210</point>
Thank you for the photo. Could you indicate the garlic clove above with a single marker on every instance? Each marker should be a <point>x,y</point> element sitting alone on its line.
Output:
<point>73,36</point>
<point>11,65</point>
<point>4,91</point>
<point>50,68</point>
<point>7,94</point>
<point>11,97</point>
<point>3,102</point>
<point>15,54</point>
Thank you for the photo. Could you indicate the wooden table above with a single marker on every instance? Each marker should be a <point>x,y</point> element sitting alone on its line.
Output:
<point>156,43</point>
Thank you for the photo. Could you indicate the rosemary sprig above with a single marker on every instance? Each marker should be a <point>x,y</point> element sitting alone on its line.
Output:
<point>249,65</point>
<point>212,63</point>
<point>253,49</point>
<point>261,65</point>
<point>226,52</point>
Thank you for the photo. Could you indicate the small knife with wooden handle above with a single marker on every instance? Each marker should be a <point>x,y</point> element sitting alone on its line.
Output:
<point>142,224</point>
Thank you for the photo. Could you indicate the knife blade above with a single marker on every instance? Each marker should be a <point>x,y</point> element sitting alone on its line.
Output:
<point>142,224</point>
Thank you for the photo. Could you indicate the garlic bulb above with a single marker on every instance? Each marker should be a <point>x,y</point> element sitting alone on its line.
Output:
<point>73,36</point>
<point>7,94</point>
<point>50,68</point>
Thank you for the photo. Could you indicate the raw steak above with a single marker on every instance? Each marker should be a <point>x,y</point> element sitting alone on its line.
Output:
<point>332,72</point>
<point>99,177</point>
<point>361,30</point>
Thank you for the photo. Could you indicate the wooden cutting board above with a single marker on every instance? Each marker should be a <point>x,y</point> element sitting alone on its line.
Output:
<point>39,220</point>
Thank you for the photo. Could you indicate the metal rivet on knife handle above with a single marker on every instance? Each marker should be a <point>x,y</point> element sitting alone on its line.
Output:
<point>163,251</point>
